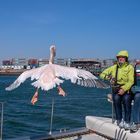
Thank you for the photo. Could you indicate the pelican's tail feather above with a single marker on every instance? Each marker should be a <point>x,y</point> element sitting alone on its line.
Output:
<point>58,81</point>
<point>43,86</point>
<point>13,85</point>
<point>36,84</point>
<point>47,86</point>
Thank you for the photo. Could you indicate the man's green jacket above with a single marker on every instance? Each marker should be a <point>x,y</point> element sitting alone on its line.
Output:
<point>125,75</point>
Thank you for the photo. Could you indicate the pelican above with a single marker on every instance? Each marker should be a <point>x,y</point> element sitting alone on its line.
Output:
<point>52,75</point>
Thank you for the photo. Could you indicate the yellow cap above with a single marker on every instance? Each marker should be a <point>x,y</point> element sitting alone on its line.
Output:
<point>123,53</point>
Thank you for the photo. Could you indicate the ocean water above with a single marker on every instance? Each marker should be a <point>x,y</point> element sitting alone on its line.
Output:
<point>21,118</point>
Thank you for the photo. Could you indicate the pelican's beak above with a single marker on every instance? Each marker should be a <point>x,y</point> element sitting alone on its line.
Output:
<point>35,97</point>
<point>53,50</point>
<point>61,91</point>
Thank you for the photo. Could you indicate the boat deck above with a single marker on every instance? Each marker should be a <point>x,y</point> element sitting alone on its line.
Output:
<point>97,128</point>
<point>104,126</point>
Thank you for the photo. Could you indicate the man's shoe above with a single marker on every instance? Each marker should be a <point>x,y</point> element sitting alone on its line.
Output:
<point>115,122</point>
<point>121,124</point>
<point>126,126</point>
<point>134,128</point>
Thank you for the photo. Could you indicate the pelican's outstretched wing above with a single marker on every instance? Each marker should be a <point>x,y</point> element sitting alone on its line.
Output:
<point>47,77</point>
<point>33,73</point>
<point>79,76</point>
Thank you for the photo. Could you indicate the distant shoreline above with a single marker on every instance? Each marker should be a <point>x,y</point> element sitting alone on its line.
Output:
<point>11,72</point>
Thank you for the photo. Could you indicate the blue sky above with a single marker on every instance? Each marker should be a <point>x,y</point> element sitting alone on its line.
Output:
<point>78,28</point>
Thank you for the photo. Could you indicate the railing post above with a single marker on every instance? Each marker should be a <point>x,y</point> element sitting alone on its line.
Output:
<point>1,129</point>
<point>52,111</point>
<point>113,119</point>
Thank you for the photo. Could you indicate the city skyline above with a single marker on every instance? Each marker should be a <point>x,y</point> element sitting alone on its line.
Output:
<point>79,29</point>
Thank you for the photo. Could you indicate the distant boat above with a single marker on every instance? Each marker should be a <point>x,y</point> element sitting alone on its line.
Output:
<point>138,72</point>
<point>137,67</point>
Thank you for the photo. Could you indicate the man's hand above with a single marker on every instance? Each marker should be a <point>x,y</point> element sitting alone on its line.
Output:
<point>121,92</point>
<point>108,77</point>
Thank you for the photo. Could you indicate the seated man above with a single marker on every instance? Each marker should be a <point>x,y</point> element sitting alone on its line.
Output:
<point>122,75</point>
<point>136,110</point>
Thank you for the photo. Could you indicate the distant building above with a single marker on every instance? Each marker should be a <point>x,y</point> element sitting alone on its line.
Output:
<point>33,63</point>
<point>69,61</point>
<point>61,61</point>
<point>42,62</point>
<point>19,61</point>
<point>107,62</point>
<point>91,65</point>
<point>6,62</point>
